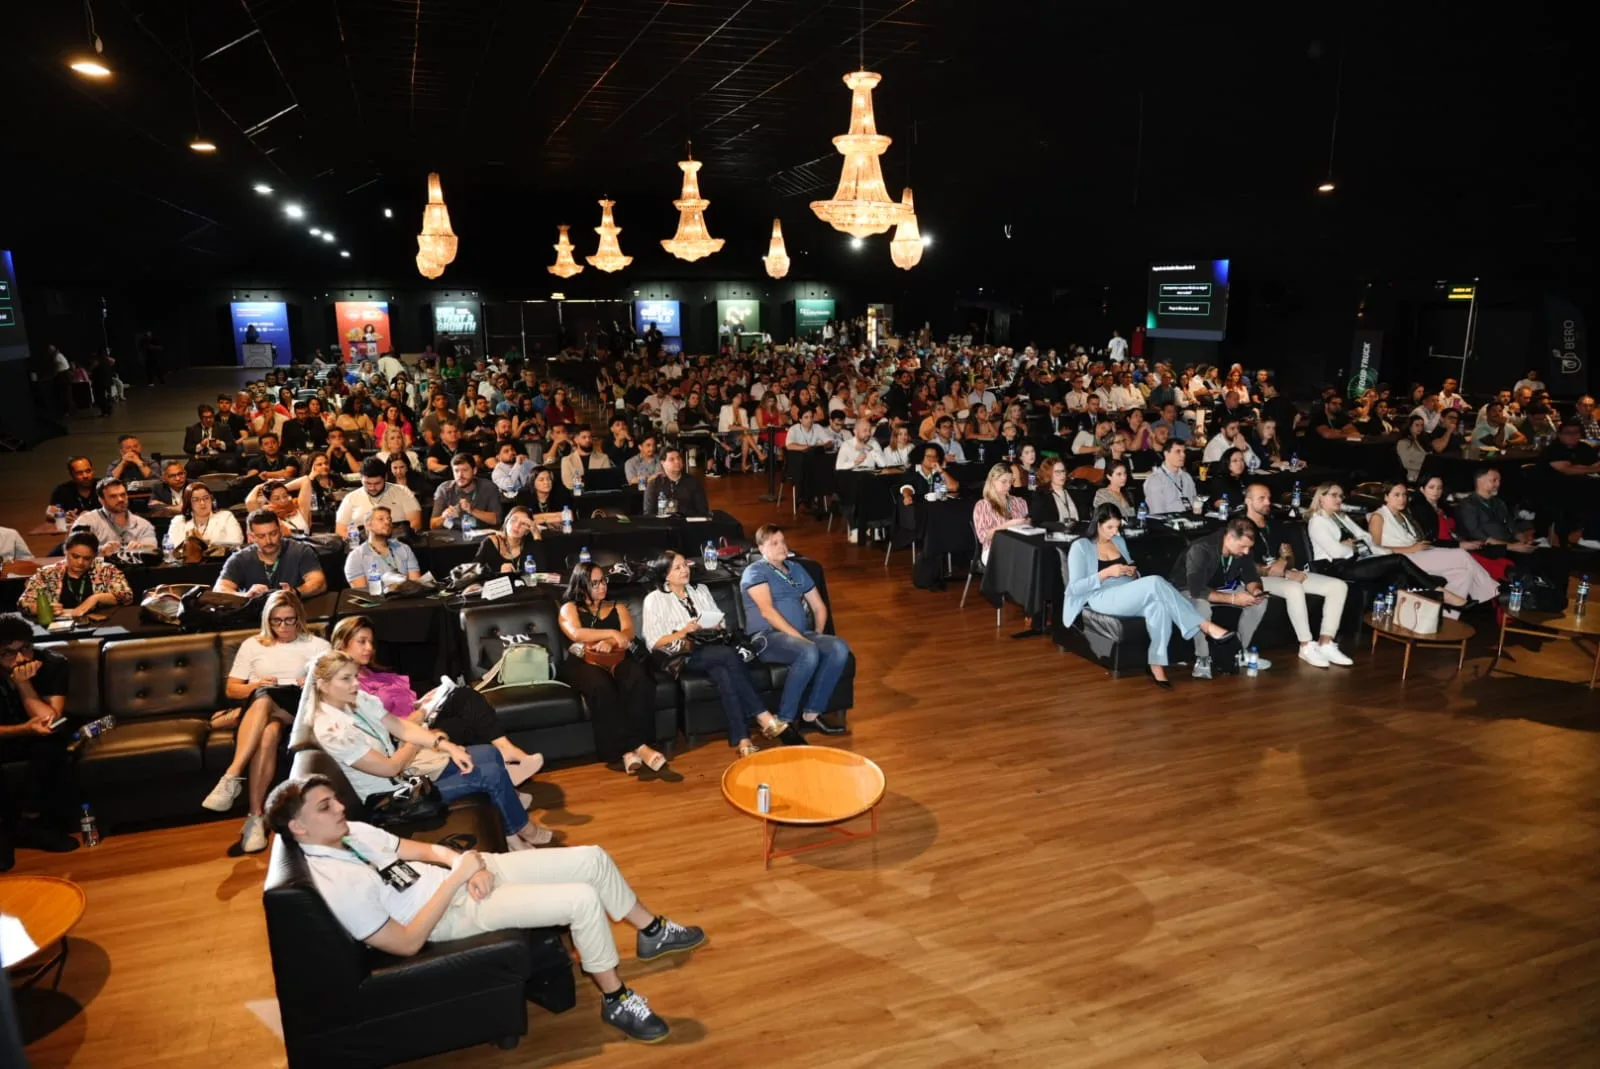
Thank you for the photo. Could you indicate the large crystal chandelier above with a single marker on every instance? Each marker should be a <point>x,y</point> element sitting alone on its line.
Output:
<point>906,247</point>
<point>428,268</point>
<point>861,205</point>
<point>692,241</point>
<point>608,257</point>
<point>565,266</point>
<point>777,257</point>
<point>437,242</point>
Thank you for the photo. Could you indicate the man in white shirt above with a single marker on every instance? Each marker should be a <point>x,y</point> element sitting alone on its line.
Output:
<point>1531,383</point>
<point>1448,397</point>
<point>650,407</point>
<point>1226,438</point>
<point>667,411</point>
<point>1428,411</point>
<point>14,547</point>
<point>1170,489</point>
<point>389,366</point>
<point>1088,444</point>
<point>1117,347</point>
<point>376,491</point>
<point>396,895</point>
<point>512,471</point>
<point>860,451</point>
<point>980,395</point>
<point>1077,397</point>
<point>1125,396</point>
<point>643,465</point>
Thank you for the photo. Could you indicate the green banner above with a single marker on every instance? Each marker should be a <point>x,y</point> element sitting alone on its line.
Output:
<point>812,314</point>
<point>738,317</point>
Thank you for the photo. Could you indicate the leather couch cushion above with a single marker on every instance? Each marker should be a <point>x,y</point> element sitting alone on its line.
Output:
<point>161,676</point>
<point>538,705</point>
<point>143,751</point>
<point>520,615</point>
<point>83,675</point>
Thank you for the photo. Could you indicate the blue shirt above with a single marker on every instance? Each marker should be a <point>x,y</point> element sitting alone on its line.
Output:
<point>788,593</point>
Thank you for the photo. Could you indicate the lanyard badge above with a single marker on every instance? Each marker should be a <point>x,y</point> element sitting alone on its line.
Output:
<point>398,874</point>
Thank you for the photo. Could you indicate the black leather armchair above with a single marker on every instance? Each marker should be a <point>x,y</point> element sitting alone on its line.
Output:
<point>344,1004</point>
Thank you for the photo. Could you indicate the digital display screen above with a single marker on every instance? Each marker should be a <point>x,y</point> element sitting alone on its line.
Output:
<point>666,315</point>
<point>271,322</point>
<point>13,340</point>
<point>1188,299</point>
<point>455,317</point>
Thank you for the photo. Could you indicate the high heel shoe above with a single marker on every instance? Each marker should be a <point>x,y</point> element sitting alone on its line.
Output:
<point>1164,684</point>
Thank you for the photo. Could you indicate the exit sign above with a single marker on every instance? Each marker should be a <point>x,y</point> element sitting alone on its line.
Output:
<point>1455,292</point>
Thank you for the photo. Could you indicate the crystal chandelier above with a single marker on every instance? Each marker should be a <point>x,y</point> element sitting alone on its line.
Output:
<point>692,241</point>
<point>608,257</point>
<point>564,266</point>
<point>428,268</point>
<point>437,241</point>
<point>906,247</point>
<point>777,257</point>
<point>861,206</point>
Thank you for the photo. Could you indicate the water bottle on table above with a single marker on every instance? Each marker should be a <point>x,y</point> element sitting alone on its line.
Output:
<point>1294,499</point>
<point>577,485</point>
<point>566,519</point>
<point>1389,601</point>
<point>469,523</point>
<point>375,579</point>
<point>584,557</point>
<point>529,570</point>
<point>709,555</point>
<point>1583,595</point>
<point>1252,661</point>
<point>169,552</point>
<point>1143,514</point>
<point>88,827</point>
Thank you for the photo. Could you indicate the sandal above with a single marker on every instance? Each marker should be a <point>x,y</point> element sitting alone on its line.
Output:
<point>632,763</point>
<point>541,836</point>
<point>773,728</point>
<point>748,748</point>
<point>656,761</point>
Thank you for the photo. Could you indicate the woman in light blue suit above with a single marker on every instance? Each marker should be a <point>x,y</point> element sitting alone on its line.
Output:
<point>1101,575</point>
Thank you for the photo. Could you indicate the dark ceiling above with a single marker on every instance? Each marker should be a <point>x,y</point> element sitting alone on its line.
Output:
<point>1051,139</point>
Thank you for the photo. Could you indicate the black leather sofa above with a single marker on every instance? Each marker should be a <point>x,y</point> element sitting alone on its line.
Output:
<point>346,1005</point>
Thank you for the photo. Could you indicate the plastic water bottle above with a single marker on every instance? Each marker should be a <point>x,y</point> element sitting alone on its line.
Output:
<point>1516,596</point>
<point>1389,601</point>
<point>709,555</point>
<point>1294,498</point>
<point>355,538</point>
<point>939,490</point>
<point>169,551</point>
<point>529,570</point>
<point>644,483</point>
<point>1033,481</point>
<point>1252,661</point>
<point>566,519</point>
<point>1222,509</point>
<point>375,579</point>
<point>1143,514</point>
<point>577,485</point>
<point>1294,464</point>
<point>584,557</point>
<point>94,728</point>
<point>469,523</point>
<point>1583,595</point>
<point>87,826</point>
<point>1378,604</point>
<point>661,503</point>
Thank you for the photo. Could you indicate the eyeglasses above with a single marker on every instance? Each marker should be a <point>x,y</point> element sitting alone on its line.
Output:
<point>283,621</point>
<point>11,652</point>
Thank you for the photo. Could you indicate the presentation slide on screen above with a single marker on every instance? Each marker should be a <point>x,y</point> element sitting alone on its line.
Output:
<point>13,339</point>
<point>1188,299</point>
<point>456,318</point>
<point>666,315</point>
<point>363,328</point>
<point>271,322</point>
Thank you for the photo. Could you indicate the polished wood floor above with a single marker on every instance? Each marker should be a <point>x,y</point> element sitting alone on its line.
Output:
<point>1309,868</point>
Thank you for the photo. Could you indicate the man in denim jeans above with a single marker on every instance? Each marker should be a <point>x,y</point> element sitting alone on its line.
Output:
<point>776,594</point>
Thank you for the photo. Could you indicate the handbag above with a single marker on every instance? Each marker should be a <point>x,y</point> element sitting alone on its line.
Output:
<point>163,604</point>
<point>749,647</point>
<point>204,609</point>
<point>607,659</point>
<point>670,663</point>
<point>1417,613</point>
<point>523,661</point>
<point>415,798</point>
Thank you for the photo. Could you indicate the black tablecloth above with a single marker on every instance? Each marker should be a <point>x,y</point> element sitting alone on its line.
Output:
<point>633,539</point>
<point>126,622</point>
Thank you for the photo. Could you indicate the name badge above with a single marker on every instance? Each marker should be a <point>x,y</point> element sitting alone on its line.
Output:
<point>399,875</point>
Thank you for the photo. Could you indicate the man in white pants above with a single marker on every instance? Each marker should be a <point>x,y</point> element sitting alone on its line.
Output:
<point>1292,586</point>
<point>397,894</point>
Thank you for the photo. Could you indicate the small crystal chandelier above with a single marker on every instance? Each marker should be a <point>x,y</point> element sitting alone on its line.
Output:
<point>861,206</point>
<point>608,257</point>
<point>437,241</point>
<point>906,247</point>
<point>565,266</point>
<point>692,241</point>
<point>428,268</point>
<point>777,257</point>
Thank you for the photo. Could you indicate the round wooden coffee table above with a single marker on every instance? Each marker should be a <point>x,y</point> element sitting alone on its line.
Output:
<point>1451,633</point>
<point>813,786</point>
<point>48,908</point>
<point>1568,625</point>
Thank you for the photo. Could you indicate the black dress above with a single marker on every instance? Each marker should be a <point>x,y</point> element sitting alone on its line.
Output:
<point>620,701</point>
<point>491,559</point>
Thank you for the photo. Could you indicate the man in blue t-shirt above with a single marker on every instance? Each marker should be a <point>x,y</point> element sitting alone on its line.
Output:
<point>776,594</point>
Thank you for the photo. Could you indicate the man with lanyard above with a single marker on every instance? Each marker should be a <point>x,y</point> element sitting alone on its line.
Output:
<point>1170,489</point>
<point>944,436</point>
<point>1275,565</point>
<point>376,492</point>
<point>1218,570</point>
<point>776,594</point>
<point>33,694</point>
<point>76,495</point>
<point>271,564</point>
<point>392,558</point>
<point>465,494</point>
<point>114,525</point>
<point>439,456</point>
<point>684,494</point>
<point>396,895</point>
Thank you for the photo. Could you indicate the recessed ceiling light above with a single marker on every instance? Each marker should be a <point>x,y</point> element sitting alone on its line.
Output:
<point>856,243</point>
<point>294,211</point>
<point>927,239</point>
<point>345,253</point>
<point>90,67</point>
<point>262,188</point>
<point>202,145</point>
<point>388,213</point>
<point>327,235</point>
<point>315,231</point>
<point>1326,187</point>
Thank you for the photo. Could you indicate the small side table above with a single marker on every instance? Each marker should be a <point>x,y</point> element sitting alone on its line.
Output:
<point>1451,634</point>
<point>48,907</point>
<point>814,786</point>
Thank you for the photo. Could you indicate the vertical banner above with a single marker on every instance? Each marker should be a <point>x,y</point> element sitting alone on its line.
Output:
<point>363,328</point>
<point>1366,361</point>
<point>811,314</point>
<point>739,317</point>
<point>260,323</point>
<point>1566,338</point>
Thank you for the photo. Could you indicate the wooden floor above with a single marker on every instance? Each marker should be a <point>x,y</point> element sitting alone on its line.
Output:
<point>1309,868</point>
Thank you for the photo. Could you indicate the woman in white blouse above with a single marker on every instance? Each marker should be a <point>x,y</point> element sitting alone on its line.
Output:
<point>394,443</point>
<point>1393,528</point>
<point>897,454</point>
<point>672,616</point>
<point>734,420</point>
<point>1342,549</point>
<point>200,520</point>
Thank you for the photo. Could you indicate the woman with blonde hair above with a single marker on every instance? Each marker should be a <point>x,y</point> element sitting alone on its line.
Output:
<point>508,550</point>
<point>998,510</point>
<point>1342,549</point>
<point>897,454</point>
<point>267,674</point>
<point>393,442</point>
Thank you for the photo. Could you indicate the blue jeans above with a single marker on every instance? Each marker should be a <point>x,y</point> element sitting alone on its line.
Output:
<point>817,660</point>
<point>740,702</point>
<point>488,776</point>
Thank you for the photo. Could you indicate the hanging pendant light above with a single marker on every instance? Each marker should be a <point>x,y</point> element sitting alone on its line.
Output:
<point>428,268</point>
<point>906,247</point>
<point>861,206</point>
<point>565,266</point>
<point>437,241</point>
<point>693,240</point>
<point>608,257</point>
<point>777,257</point>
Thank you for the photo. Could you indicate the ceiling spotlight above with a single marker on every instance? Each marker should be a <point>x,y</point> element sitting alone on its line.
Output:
<point>315,231</point>
<point>90,66</point>
<point>203,145</point>
<point>262,188</point>
<point>1326,187</point>
<point>856,243</point>
<point>327,235</point>
<point>345,253</point>
<point>927,239</point>
<point>294,211</point>
<point>388,213</point>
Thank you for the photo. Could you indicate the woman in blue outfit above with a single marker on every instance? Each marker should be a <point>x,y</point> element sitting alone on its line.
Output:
<point>1101,576</point>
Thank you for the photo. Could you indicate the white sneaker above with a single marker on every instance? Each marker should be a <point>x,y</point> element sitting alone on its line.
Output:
<point>854,535</point>
<point>1311,653</point>
<point>253,839</point>
<point>224,794</point>
<point>1334,655</point>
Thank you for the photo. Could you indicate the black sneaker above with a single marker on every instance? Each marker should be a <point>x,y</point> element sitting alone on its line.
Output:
<point>631,1014</point>
<point>673,938</point>
<point>38,836</point>
<point>792,737</point>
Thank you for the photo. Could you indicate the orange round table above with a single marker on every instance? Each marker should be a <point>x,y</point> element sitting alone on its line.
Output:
<point>48,908</point>
<point>812,786</point>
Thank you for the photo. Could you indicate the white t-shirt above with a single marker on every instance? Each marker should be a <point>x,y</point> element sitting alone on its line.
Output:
<point>347,737</point>
<point>1118,348</point>
<point>817,435</point>
<point>1084,440</point>
<point>354,891</point>
<point>282,661</point>
<point>358,504</point>
<point>222,529</point>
